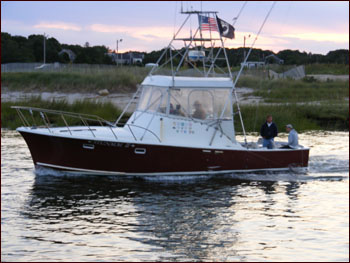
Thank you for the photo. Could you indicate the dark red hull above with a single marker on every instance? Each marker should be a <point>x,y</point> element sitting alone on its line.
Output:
<point>133,158</point>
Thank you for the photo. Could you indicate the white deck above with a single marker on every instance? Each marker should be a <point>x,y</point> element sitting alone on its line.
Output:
<point>133,134</point>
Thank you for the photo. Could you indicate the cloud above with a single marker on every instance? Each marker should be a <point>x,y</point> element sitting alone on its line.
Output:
<point>307,32</point>
<point>144,33</point>
<point>58,25</point>
<point>319,37</point>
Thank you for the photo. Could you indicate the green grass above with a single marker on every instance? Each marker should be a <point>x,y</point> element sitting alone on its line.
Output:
<point>122,79</point>
<point>303,117</point>
<point>334,69</point>
<point>293,91</point>
<point>301,91</point>
<point>11,120</point>
<point>250,82</point>
<point>307,104</point>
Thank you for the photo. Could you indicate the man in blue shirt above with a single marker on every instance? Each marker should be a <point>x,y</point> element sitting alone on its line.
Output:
<point>268,131</point>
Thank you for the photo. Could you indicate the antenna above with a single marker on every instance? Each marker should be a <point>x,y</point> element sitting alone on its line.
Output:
<point>240,71</point>
<point>239,13</point>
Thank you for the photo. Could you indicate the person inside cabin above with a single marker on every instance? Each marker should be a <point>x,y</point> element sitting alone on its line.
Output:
<point>171,110</point>
<point>199,112</point>
<point>268,131</point>
<point>178,110</point>
<point>292,137</point>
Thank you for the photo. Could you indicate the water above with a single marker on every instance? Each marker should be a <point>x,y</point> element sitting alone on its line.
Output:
<point>49,216</point>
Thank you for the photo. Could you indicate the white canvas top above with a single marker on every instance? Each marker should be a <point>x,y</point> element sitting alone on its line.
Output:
<point>188,82</point>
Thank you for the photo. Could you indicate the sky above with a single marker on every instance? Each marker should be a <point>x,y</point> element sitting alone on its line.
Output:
<point>311,26</point>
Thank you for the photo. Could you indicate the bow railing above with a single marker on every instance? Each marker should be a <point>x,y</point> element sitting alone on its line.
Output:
<point>33,118</point>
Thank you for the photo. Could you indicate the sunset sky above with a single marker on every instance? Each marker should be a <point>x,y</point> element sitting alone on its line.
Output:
<point>316,27</point>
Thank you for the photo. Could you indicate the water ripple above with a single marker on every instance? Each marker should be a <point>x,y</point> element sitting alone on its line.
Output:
<point>291,216</point>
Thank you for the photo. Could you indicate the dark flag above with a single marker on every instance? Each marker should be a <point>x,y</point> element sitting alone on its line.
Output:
<point>225,29</point>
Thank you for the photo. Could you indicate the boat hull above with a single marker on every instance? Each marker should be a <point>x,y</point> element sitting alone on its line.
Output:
<point>106,157</point>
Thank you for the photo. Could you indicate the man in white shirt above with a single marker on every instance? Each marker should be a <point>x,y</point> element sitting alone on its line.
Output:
<point>292,137</point>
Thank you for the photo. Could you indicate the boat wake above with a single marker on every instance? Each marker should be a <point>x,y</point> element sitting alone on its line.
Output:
<point>328,164</point>
<point>285,177</point>
<point>293,175</point>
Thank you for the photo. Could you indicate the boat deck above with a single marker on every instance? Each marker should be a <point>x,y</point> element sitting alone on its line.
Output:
<point>125,135</point>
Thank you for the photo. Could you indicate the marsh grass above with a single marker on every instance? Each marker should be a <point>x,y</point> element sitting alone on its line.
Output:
<point>11,120</point>
<point>308,104</point>
<point>293,91</point>
<point>303,117</point>
<point>334,69</point>
<point>122,79</point>
<point>301,91</point>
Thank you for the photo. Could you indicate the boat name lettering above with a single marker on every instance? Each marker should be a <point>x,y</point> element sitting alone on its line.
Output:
<point>112,144</point>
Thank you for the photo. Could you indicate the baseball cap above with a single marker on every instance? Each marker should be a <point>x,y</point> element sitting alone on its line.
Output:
<point>289,126</point>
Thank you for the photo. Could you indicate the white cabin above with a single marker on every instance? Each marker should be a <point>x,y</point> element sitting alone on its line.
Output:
<point>186,111</point>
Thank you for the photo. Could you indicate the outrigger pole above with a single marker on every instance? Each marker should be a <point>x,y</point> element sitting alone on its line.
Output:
<point>240,72</point>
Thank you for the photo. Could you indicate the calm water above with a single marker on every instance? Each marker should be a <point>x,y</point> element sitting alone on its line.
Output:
<point>48,216</point>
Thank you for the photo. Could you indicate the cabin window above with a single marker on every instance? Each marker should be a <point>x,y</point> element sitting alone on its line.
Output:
<point>197,103</point>
<point>178,102</point>
<point>153,99</point>
<point>201,104</point>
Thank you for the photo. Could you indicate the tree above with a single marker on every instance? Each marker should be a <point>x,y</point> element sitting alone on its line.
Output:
<point>340,56</point>
<point>15,49</point>
<point>293,57</point>
<point>53,47</point>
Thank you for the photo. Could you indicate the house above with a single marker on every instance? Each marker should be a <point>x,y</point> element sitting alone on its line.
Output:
<point>273,59</point>
<point>258,64</point>
<point>253,64</point>
<point>128,58</point>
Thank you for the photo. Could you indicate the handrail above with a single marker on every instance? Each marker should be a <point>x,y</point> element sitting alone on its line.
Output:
<point>81,116</point>
<point>146,130</point>
<point>67,113</point>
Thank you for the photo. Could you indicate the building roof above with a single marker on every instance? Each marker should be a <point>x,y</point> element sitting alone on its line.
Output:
<point>188,82</point>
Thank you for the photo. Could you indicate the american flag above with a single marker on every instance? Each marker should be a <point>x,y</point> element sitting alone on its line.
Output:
<point>208,23</point>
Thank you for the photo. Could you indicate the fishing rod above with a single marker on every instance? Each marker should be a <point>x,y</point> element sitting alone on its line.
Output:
<point>240,72</point>
<point>239,13</point>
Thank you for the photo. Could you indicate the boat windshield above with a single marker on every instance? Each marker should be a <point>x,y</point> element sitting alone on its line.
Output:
<point>196,103</point>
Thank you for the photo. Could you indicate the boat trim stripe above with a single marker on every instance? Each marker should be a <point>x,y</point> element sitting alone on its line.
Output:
<point>101,172</point>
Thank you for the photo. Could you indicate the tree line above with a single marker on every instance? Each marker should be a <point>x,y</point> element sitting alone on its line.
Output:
<point>30,49</point>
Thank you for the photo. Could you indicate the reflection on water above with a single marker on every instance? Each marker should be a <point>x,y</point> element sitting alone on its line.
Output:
<point>187,220</point>
<point>49,216</point>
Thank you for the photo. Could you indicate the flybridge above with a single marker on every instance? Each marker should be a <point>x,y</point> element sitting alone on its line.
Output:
<point>203,40</point>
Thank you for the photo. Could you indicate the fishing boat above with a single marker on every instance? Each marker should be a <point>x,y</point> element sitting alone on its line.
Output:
<point>183,123</point>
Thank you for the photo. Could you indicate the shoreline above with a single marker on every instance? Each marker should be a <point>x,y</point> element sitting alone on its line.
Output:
<point>119,100</point>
